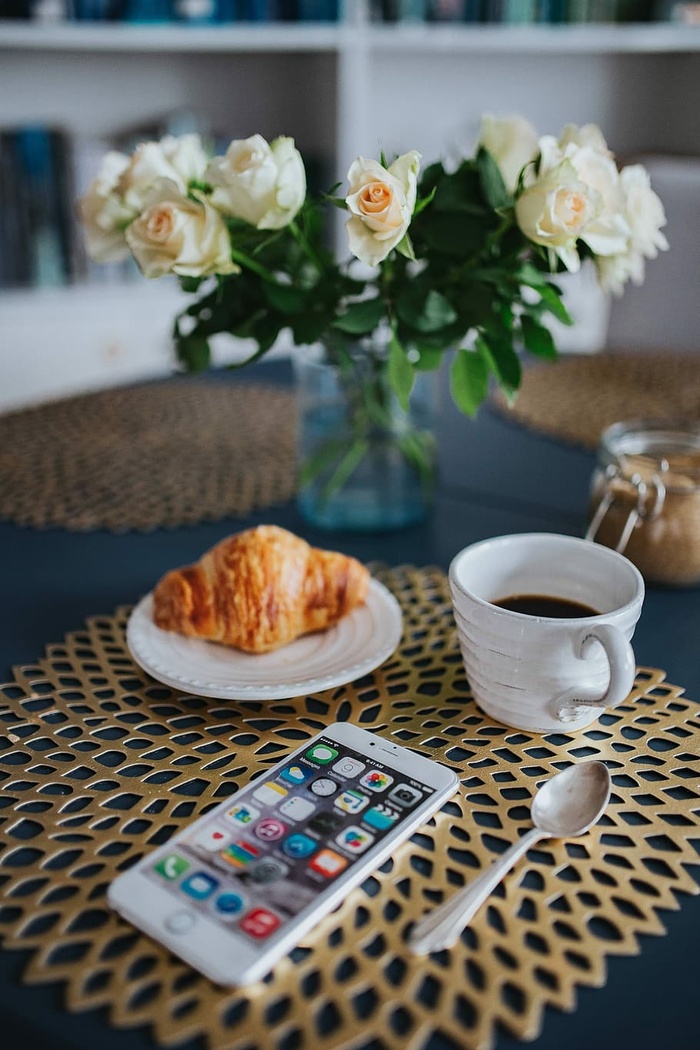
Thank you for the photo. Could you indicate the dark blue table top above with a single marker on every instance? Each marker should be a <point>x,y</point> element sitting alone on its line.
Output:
<point>496,478</point>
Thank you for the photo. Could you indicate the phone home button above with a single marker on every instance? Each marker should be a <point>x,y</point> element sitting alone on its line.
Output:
<point>180,922</point>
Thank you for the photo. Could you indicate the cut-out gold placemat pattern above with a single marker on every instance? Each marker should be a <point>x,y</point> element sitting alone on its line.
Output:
<point>576,397</point>
<point>163,454</point>
<point>98,764</point>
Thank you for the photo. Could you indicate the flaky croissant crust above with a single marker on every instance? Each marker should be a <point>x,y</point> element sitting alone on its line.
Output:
<point>259,590</point>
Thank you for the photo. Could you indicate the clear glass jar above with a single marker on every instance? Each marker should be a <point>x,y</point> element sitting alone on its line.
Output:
<point>645,498</point>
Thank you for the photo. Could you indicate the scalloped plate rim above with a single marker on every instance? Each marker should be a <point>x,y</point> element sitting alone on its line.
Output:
<point>141,631</point>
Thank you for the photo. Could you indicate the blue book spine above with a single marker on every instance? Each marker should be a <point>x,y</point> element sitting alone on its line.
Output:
<point>258,10</point>
<point>317,10</point>
<point>147,11</point>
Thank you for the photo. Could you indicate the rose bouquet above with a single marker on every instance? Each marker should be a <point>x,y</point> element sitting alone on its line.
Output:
<point>442,263</point>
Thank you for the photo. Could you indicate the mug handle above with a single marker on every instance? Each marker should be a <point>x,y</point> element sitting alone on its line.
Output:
<point>622,664</point>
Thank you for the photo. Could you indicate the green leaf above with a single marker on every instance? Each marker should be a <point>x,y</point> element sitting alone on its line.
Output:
<point>553,303</point>
<point>502,360</point>
<point>309,327</point>
<point>405,248</point>
<point>285,298</point>
<point>458,235</point>
<point>361,318</point>
<point>190,284</point>
<point>492,183</point>
<point>428,315</point>
<point>400,373</point>
<point>530,275</point>
<point>538,339</point>
<point>423,203</point>
<point>193,353</point>
<point>469,381</point>
<point>429,358</point>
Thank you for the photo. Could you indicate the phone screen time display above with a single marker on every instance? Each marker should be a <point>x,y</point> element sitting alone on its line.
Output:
<point>262,858</point>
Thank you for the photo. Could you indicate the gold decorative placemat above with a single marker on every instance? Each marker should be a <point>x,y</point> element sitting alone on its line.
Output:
<point>98,764</point>
<point>576,397</point>
<point>163,454</point>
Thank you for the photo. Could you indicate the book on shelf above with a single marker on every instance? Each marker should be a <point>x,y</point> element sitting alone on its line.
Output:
<point>193,12</point>
<point>516,12</point>
<point>37,229</point>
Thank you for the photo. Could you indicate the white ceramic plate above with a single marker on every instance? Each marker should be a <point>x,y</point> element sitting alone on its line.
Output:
<point>363,640</point>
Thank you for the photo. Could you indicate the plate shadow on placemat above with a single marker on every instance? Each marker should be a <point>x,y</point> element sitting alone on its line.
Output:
<point>576,397</point>
<point>161,454</point>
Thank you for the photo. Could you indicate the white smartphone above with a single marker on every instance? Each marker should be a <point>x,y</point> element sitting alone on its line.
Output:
<point>239,888</point>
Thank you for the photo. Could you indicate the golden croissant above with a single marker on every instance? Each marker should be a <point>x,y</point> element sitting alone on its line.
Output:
<point>259,590</point>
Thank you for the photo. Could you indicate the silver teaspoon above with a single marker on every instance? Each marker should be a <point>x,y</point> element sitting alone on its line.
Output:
<point>565,806</point>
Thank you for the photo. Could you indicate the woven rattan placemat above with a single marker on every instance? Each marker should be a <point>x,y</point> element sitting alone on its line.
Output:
<point>164,454</point>
<point>576,397</point>
<point>99,763</point>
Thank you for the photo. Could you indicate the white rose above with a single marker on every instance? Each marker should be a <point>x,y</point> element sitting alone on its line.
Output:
<point>512,142</point>
<point>606,229</point>
<point>644,211</point>
<point>176,234</point>
<point>645,216</point>
<point>103,213</point>
<point>555,209</point>
<point>587,135</point>
<point>381,201</point>
<point>265,185</point>
<point>181,159</point>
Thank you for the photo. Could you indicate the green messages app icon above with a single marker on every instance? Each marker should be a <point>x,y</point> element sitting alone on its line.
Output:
<point>172,866</point>
<point>322,754</point>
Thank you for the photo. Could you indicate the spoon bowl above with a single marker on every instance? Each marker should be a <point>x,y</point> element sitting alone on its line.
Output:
<point>567,805</point>
<point>572,801</point>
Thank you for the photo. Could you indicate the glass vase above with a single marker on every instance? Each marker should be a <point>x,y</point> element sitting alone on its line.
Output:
<point>365,464</point>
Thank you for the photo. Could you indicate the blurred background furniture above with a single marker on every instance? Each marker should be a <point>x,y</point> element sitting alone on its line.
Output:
<point>355,86</point>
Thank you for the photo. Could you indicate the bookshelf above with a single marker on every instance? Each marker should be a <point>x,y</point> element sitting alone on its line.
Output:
<point>339,89</point>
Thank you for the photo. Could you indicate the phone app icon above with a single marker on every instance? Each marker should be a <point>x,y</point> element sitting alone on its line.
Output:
<point>199,885</point>
<point>404,795</point>
<point>268,870</point>
<point>270,829</point>
<point>171,867</point>
<point>375,780</point>
<point>297,808</point>
<point>297,774</point>
<point>242,814</point>
<point>213,839</point>
<point>326,822</point>
<point>354,839</point>
<point>351,801</point>
<point>348,767</point>
<point>240,853</point>
<point>260,923</point>
<point>298,845</point>
<point>229,903</point>
<point>321,753</point>
<point>381,817</point>
<point>270,793</point>
<point>328,863</point>
<point>324,787</point>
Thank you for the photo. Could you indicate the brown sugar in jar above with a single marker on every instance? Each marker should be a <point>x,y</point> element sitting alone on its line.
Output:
<point>645,498</point>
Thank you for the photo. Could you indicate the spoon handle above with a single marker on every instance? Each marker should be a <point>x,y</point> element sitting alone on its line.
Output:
<point>441,927</point>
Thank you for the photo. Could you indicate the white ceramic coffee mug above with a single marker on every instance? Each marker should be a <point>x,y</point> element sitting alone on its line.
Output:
<point>542,673</point>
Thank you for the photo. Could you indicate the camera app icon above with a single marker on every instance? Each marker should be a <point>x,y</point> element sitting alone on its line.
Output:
<point>404,795</point>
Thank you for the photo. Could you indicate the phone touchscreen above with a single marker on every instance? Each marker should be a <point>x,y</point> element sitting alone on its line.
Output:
<point>261,859</point>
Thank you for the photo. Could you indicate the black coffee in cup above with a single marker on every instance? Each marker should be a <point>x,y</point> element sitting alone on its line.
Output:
<point>545,605</point>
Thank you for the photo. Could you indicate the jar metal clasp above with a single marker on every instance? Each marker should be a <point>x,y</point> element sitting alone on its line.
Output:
<point>640,511</point>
